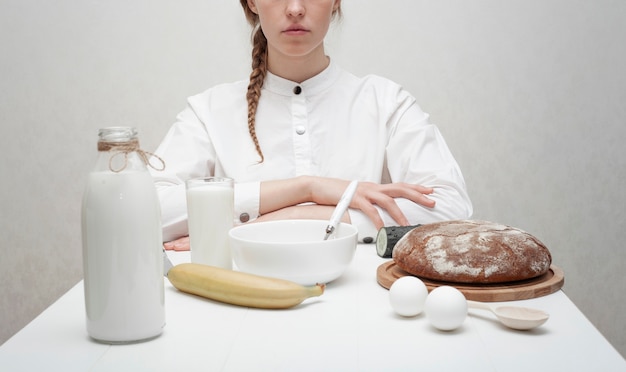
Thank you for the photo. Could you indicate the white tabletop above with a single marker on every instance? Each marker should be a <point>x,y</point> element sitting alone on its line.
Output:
<point>351,327</point>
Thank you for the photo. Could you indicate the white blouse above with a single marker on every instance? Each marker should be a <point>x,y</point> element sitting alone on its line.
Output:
<point>332,125</point>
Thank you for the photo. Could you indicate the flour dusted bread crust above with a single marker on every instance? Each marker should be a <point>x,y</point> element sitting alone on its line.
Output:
<point>471,251</point>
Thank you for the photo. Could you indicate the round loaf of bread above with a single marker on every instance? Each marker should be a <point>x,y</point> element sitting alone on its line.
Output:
<point>471,251</point>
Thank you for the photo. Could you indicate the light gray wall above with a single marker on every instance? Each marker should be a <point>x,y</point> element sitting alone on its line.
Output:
<point>530,96</point>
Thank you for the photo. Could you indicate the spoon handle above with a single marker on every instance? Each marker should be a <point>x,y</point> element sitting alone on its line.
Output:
<point>479,305</point>
<point>341,208</point>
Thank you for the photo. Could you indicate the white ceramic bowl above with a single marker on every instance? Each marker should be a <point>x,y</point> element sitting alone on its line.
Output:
<point>293,249</point>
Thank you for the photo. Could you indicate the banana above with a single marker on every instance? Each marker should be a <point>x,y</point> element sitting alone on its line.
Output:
<point>238,288</point>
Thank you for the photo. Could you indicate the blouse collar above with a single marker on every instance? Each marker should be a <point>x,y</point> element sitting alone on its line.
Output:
<point>312,86</point>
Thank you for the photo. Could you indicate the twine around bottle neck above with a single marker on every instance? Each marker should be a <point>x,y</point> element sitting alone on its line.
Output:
<point>125,148</point>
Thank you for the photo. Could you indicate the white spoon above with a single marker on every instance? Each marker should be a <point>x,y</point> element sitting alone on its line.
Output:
<point>342,207</point>
<point>516,317</point>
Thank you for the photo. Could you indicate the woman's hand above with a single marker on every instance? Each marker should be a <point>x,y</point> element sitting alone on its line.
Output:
<point>369,194</point>
<point>180,244</point>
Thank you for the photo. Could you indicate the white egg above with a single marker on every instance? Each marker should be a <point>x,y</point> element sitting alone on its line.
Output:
<point>407,296</point>
<point>446,308</point>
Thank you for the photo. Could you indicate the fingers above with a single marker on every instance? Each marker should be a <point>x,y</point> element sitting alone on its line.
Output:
<point>415,193</point>
<point>370,194</point>
<point>372,213</point>
<point>180,244</point>
<point>422,199</point>
<point>388,204</point>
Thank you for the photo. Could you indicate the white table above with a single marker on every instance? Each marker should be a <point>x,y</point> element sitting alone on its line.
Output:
<point>351,327</point>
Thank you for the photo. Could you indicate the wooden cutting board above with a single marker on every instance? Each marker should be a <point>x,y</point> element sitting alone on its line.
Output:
<point>550,282</point>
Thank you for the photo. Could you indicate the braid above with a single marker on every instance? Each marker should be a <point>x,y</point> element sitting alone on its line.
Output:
<point>257,77</point>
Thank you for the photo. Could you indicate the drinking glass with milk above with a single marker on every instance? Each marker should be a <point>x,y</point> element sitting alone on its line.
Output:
<point>210,214</point>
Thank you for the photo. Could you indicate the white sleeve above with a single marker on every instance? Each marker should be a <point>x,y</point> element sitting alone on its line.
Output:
<point>417,153</point>
<point>188,153</point>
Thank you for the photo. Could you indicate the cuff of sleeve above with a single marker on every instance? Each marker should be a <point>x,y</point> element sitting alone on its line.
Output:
<point>367,230</point>
<point>175,229</point>
<point>247,196</point>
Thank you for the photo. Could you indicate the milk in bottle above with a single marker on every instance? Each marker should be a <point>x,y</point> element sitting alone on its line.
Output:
<point>122,243</point>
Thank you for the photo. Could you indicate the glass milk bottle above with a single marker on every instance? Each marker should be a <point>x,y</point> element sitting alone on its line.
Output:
<point>122,243</point>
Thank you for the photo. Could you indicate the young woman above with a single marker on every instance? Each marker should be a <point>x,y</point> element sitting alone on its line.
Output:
<point>301,128</point>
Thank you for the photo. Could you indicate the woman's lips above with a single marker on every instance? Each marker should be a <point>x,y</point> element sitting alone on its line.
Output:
<point>296,30</point>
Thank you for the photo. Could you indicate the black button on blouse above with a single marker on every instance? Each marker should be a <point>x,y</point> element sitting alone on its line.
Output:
<point>297,90</point>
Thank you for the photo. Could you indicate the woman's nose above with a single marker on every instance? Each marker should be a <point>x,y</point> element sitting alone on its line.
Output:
<point>295,8</point>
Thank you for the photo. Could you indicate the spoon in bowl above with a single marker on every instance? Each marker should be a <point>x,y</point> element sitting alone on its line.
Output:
<point>515,317</point>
